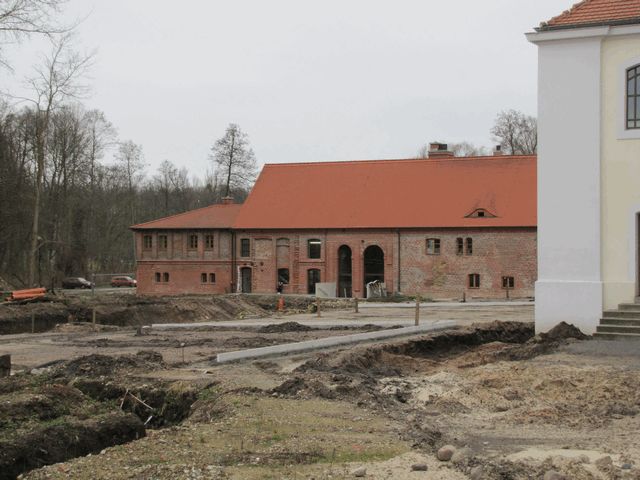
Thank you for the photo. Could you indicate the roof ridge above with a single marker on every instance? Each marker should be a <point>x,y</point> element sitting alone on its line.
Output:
<point>394,160</point>
<point>186,213</point>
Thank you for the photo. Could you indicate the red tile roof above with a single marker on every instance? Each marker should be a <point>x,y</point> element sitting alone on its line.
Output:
<point>596,12</point>
<point>213,216</point>
<point>393,194</point>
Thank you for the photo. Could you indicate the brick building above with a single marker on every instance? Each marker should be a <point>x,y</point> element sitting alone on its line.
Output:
<point>439,226</point>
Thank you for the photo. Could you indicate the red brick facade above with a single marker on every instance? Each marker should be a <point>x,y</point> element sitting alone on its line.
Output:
<point>491,253</point>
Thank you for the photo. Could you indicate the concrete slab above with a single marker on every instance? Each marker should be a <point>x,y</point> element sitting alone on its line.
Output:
<point>330,342</point>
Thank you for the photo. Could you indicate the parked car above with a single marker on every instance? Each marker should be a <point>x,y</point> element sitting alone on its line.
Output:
<point>76,282</point>
<point>123,282</point>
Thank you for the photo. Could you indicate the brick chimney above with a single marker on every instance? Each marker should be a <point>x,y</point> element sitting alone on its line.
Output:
<point>227,200</point>
<point>439,150</point>
<point>497,152</point>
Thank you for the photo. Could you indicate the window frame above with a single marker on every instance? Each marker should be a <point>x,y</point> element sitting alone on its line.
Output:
<point>460,246</point>
<point>165,277</point>
<point>473,280</point>
<point>508,282</point>
<point>632,73</point>
<point>468,246</point>
<point>437,244</point>
<point>212,277</point>
<point>209,241</point>
<point>245,242</point>
<point>147,241</point>
<point>191,245</point>
<point>163,241</point>
<point>314,243</point>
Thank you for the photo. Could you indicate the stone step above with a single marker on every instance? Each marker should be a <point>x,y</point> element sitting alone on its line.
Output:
<point>631,314</point>
<point>617,336</point>
<point>618,329</point>
<point>630,306</point>
<point>629,322</point>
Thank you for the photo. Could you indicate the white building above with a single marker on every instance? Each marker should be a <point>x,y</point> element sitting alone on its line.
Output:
<point>588,164</point>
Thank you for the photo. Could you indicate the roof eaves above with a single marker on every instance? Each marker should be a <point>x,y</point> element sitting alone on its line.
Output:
<point>545,27</point>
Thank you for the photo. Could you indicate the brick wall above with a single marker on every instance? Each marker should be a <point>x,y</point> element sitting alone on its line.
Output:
<point>496,253</point>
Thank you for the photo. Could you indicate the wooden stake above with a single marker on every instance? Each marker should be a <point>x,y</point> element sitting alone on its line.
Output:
<point>356,303</point>
<point>318,306</point>
<point>417,310</point>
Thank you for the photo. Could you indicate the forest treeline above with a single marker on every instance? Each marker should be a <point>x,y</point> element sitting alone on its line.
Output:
<point>87,204</point>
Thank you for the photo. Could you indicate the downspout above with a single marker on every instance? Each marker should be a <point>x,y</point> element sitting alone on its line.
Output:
<point>398,290</point>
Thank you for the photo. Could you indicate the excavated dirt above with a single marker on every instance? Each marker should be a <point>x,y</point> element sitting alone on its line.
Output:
<point>515,405</point>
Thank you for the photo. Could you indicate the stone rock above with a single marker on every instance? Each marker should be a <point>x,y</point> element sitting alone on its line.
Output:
<point>419,467</point>
<point>445,453</point>
<point>476,473</point>
<point>553,475</point>
<point>626,466</point>
<point>462,455</point>
<point>604,463</point>
<point>359,472</point>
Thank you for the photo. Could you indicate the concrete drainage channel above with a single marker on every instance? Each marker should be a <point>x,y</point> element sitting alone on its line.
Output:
<point>319,344</point>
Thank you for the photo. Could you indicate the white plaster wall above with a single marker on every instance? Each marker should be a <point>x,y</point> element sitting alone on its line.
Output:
<point>569,284</point>
<point>620,174</point>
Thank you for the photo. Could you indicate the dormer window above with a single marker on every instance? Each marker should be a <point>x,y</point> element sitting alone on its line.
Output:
<point>482,213</point>
<point>633,98</point>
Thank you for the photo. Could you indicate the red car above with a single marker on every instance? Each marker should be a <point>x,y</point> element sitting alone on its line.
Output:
<point>123,282</point>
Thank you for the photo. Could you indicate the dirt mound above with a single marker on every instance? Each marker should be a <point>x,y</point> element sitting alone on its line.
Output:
<point>285,327</point>
<point>395,357</point>
<point>101,365</point>
<point>563,331</point>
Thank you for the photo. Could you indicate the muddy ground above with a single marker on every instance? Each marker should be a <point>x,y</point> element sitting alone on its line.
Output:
<point>127,309</point>
<point>514,406</point>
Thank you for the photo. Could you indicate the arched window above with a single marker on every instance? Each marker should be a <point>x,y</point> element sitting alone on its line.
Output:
<point>633,98</point>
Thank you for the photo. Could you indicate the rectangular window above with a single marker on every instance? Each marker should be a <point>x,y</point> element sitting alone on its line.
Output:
<point>633,97</point>
<point>163,242</point>
<point>508,282</point>
<point>314,248</point>
<point>474,280</point>
<point>433,246</point>
<point>459,246</point>
<point>158,277</point>
<point>208,242</point>
<point>469,246</point>
<point>193,241</point>
<point>165,277</point>
<point>203,278</point>
<point>147,242</point>
<point>245,247</point>
<point>283,275</point>
<point>212,278</point>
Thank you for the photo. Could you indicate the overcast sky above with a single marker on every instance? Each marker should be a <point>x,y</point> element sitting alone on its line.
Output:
<point>308,81</point>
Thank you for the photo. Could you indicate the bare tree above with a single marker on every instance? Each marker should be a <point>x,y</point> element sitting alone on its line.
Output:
<point>22,18</point>
<point>235,159</point>
<point>516,132</point>
<point>131,162</point>
<point>57,79</point>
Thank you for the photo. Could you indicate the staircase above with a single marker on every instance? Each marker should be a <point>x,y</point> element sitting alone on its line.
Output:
<point>621,324</point>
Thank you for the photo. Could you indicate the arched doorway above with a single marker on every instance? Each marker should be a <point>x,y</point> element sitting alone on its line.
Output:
<point>344,271</point>
<point>245,280</point>
<point>373,265</point>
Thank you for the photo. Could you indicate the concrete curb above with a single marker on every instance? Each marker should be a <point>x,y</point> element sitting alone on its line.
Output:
<point>330,342</point>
